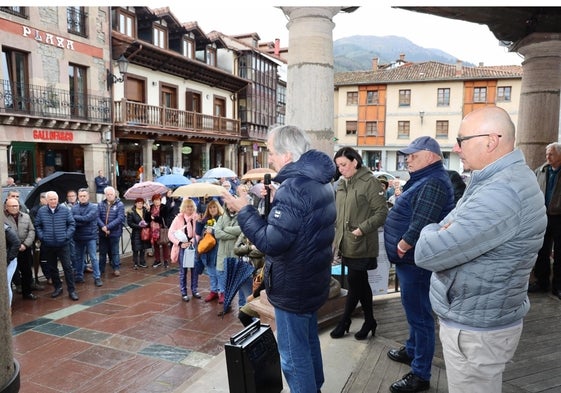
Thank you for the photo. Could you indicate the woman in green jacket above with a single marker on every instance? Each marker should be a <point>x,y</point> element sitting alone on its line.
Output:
<point>361,210</point>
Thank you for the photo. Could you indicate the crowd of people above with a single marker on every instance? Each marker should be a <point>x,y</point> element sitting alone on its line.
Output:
<point>464,254</point>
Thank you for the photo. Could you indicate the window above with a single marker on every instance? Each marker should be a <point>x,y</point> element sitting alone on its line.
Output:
<point>480,94</point>
<point>17,11</point>
<point>188,48</point>
<point>405,98</point>
<point>372,97</point>
<point>372,128</point>
<point>210,55</point>
<point>352,98</point>
<point>160,37</point>
<point>77,83</point>
<point>403,128</point>
<point>504,93</point>
<point>76,20</point>
<point>15,78</point>
<point>442,128</point>
<point>351,127</point>
<point>126,23</point>
<point>443,97</point>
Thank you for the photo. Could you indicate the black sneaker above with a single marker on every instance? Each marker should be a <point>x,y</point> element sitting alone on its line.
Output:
<point>156,264</point>
<point>143,265</point>
<point>410,383</point>
<point>98,282</point>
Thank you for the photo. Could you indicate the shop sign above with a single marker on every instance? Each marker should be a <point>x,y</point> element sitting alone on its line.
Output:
<point>53,135</point>
<point>47,38</point>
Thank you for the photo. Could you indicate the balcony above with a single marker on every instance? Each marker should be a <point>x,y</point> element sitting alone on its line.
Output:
<point>22,104</point>
<point>158,120</point>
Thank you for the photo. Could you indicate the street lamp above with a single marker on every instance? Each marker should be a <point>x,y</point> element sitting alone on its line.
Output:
<point>123,65</point>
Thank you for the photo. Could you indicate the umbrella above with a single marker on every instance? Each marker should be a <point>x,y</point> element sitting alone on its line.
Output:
<point>237,272</point>
<point>219,172</point>
<point>173,181</point>
<point>198,190</point>
<point>144,190</point>
<point>258,173</point>
<point>60,182</point>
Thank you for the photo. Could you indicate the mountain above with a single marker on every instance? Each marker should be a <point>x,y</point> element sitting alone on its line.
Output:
<point>355,53</point>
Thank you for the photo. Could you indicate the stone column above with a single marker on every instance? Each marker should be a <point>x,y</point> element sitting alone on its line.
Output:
<point>3,162</point>
<point>97,156</point>
<point>178,154</point>
<point>538,119</point>
<point>310,73</point>
<point>147,146</point>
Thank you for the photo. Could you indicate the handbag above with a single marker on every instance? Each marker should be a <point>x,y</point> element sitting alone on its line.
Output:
<point>145,234</point>
<point>164,239</point>
<point>188,257</point>
<point>206,244</point>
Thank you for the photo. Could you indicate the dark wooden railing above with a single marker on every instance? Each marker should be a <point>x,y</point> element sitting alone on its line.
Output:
<point>134,113</point>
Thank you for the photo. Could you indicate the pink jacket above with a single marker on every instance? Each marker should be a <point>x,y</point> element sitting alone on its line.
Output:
<point>180,222</point>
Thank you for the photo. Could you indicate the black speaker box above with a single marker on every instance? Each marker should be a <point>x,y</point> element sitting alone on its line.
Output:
<point>253,361</point>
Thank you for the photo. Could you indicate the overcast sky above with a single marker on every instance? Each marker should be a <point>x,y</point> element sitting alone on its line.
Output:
<point>466,41</point>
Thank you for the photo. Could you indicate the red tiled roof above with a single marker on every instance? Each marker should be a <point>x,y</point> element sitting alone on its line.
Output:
<point>427,71</point>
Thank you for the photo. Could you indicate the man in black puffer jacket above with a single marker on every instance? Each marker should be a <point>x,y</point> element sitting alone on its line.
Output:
<point>55,227</point>
<point>296,237</point>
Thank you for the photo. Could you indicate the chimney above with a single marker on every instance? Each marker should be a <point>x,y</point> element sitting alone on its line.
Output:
<point>481,64</point>
<point>459,70</point>
<point>277,47</point>
<point>402,57</point>
<point>375,64</point>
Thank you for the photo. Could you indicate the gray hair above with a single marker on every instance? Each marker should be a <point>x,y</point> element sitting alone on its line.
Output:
<point>290,139</point>
<point>555,145</point>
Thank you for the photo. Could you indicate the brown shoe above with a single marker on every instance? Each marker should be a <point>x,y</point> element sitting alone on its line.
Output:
<point>116,273</point>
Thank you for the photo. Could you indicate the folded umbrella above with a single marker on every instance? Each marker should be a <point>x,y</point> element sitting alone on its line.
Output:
<point>237,272</point>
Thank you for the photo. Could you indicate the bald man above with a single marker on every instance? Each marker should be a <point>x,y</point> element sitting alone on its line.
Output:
<point>482,253</point>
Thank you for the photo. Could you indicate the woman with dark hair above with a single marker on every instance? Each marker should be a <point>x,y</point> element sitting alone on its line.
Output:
<point>361,210</point>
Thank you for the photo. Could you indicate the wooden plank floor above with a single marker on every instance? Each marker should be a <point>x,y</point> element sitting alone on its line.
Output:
<point>536,366</point>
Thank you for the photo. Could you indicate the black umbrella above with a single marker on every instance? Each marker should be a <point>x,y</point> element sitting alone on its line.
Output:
<point>61,182</point>
<point>237,272</point>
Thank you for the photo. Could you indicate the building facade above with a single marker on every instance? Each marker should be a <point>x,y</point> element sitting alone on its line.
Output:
<point>54,104</point>
<point>379,112</point>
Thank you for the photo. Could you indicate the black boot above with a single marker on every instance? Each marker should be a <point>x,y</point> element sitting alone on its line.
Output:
<point>244,318</point>
<point>341,328</point>
<point>366,328</point>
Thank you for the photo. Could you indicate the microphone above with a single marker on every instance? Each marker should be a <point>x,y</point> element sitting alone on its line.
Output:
<point>267,182</point>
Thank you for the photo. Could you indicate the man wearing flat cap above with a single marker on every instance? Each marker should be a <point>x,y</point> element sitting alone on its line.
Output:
<point>427,197</point>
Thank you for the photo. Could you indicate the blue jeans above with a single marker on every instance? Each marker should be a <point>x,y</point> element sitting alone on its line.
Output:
<point>300,351</point>
<point>83,248</point>
<point>109,245</point>
<point>414,283</point>
<point>209,260</point>
<point>221,277</point>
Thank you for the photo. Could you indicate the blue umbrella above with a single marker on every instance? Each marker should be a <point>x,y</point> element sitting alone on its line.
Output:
<point>173,181</point>
<point>237,272</point>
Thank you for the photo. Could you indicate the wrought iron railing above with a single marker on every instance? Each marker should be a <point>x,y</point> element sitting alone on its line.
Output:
<point>134,113</point>
<point>15,10</point>
<point>33,100</point>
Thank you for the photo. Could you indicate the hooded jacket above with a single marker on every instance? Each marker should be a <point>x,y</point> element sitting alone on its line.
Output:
<point>297,235</point>
<point>361,203</point>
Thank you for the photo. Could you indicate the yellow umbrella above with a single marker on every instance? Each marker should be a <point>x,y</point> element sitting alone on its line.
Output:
<point>258,173</point>
<point>198,190</point>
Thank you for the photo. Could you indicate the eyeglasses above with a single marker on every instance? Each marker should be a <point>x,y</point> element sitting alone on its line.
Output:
<point>460,139</point>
